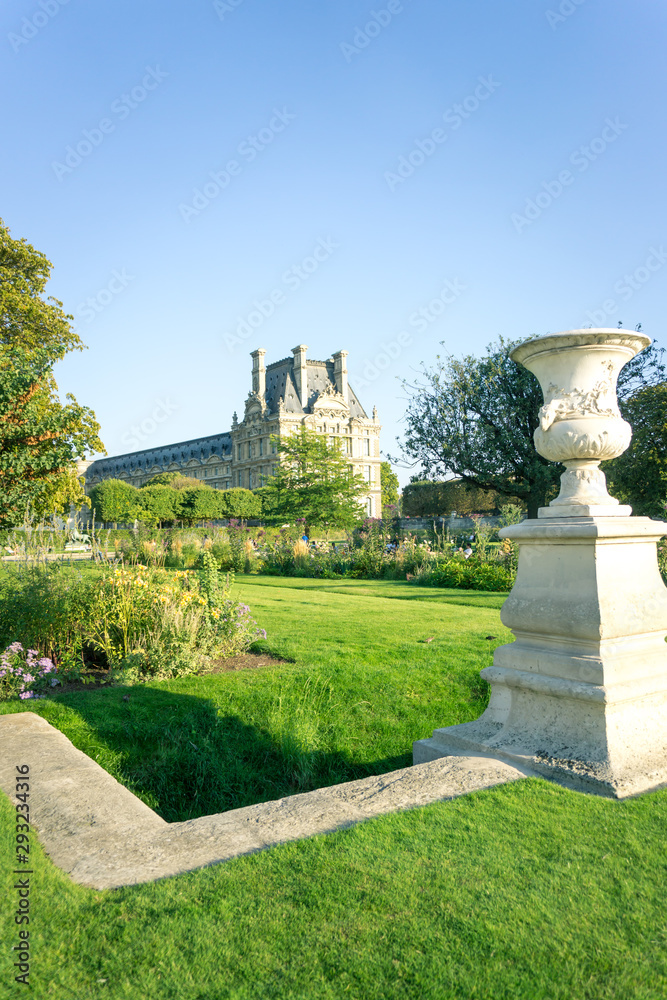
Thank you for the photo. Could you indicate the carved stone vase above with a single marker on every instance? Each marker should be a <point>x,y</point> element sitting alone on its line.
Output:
<point>580,422</point>
<point>581,694</point>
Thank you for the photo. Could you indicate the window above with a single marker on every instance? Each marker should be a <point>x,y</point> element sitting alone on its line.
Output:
<point>274,447</point>
<point>249,449</point>
<point>261,446</point>
<point>238,452</point>
<point>369,506</point>
<point>367,446</point>
<point>369,473</point>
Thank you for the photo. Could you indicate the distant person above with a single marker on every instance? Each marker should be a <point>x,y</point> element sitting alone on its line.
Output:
<point>467,552</point>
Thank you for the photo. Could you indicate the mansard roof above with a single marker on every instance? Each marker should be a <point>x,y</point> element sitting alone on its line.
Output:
<point>201,449</point>
<point>319,375</point>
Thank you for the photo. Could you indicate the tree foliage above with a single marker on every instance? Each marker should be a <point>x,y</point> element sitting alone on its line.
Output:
<point>476,416</point>
<point>314,481</point>
<point>163,479</point>
<point>639,475</point>
<point>428,499</point>
<point>158,504</point>
<point>240,503</point>
<point>27,318</point>
<point>115,500</point>
<point>40,437</point>
<point>388,486</point>
<point>200,504</point>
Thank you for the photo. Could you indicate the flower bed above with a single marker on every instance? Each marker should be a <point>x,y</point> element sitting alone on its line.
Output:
<point>139,622</point>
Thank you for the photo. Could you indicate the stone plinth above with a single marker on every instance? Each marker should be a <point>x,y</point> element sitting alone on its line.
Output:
<point>581,695</point>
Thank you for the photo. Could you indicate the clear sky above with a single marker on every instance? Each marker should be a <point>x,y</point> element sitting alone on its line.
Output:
<point>210,177</point>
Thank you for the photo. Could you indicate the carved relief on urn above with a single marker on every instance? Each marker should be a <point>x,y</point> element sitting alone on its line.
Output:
<point>580,422</point>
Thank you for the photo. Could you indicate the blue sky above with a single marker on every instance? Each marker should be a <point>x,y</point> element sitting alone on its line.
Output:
<point>212,177</point>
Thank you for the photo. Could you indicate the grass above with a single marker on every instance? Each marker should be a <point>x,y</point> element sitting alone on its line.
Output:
<point>364,683</point>
<point>523,892</point>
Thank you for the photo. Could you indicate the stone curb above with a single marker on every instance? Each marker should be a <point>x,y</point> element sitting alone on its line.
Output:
<point>104,837</point>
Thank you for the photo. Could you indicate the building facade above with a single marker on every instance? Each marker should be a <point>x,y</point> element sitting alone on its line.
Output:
<point>285,396</point>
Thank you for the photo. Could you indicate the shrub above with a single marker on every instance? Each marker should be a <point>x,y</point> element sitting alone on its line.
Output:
<point>469,574</point>
<point>141,621</point>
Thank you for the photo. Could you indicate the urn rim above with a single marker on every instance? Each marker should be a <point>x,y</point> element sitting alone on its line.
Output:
<point>596,337</point>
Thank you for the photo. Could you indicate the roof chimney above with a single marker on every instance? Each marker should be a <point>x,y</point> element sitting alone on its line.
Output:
<point>340,372</point>
<point>300,373</point>
<point>258,372</point>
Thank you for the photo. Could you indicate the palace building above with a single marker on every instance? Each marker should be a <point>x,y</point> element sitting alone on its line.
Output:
<point>285,395</point>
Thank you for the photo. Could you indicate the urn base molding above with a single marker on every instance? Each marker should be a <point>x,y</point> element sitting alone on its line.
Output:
<point>581,694</point>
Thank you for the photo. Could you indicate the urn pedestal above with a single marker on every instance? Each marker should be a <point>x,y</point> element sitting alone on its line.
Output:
<point>581,694</point>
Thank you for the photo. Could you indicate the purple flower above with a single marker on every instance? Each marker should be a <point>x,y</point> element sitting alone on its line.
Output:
<point>27,694</point>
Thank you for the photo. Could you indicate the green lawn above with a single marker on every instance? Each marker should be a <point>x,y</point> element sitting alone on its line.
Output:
<point>363,685</point>
<point>524,892</point>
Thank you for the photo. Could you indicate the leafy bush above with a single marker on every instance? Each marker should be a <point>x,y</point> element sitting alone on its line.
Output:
<point>467,574</point>
<point>141,621</point>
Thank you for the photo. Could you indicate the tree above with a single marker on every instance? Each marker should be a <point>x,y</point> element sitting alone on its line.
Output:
<point>475,417</point>
<point>639,475</point>
<point>159,503</point>
<point>388,486</point>
<point>181,482</point>
<point>163,479</point>
<point>427,499</point>
<point>200,504</point>
<point>27,318</point>
<point>115,500</point>
<point>40,438</point>
<point>314,482</point>
<point>240,503</point>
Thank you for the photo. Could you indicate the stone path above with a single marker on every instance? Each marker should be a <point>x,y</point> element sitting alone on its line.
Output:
<point>105,837</point>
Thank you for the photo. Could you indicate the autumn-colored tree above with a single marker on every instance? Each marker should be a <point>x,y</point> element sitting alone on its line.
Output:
<point>41,438</point>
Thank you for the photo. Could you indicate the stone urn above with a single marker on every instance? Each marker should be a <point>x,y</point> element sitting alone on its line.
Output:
<point>580,422</point>
<point>581,694</point>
